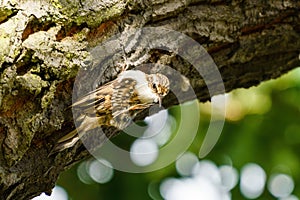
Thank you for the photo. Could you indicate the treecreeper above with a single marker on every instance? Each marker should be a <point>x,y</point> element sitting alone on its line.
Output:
<point>116,103</point>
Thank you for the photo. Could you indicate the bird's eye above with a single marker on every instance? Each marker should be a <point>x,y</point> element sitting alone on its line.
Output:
<point>154,87</point>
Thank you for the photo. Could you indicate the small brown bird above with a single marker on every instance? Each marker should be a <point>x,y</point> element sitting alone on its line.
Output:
<point>116,103</point>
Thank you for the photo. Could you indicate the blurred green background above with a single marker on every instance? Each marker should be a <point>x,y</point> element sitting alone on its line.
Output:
<point>259,145</point>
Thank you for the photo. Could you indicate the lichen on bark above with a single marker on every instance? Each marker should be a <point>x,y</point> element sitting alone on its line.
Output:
<point>33,65</point>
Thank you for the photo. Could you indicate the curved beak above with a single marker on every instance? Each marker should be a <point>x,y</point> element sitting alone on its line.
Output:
<point>159,100</point>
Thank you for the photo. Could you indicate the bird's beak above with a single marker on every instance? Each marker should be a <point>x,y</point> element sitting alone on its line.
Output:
<point>159,101</point>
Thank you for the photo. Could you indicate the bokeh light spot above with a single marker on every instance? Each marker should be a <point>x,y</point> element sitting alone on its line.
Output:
<point>156,123</point>
<point>229,176</point>
<point>291,197</point>
<point>83,173</point>
<point>193,189</point>
<point>207,169</point>
<point>166,185</point>
<point>253,180</point>
<point>143,152</point>
<point>58,193</point>
<point>185,163</point>
<point>159,127</point>
<point>281,185</point>
<point>101,171</point>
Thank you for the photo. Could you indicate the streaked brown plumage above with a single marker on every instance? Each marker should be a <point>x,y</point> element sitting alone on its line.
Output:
<point>116,103</point>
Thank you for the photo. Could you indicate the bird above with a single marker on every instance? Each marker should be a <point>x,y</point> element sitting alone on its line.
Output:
<point>116,103</point>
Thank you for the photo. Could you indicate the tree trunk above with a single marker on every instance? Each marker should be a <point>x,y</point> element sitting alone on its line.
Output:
<point>44,44</point>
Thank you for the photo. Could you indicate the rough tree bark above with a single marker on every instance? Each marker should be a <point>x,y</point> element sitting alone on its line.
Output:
<point>44,43</point>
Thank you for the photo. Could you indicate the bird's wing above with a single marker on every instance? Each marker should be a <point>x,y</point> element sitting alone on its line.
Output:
<point>95,107</point>
<point>122,98</point>
<point>95,100</point>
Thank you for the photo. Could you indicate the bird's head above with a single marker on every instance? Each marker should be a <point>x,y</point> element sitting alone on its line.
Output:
<point>159,85</point>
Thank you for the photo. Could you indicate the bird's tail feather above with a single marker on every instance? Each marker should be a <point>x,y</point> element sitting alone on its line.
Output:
<point>65,142</point>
